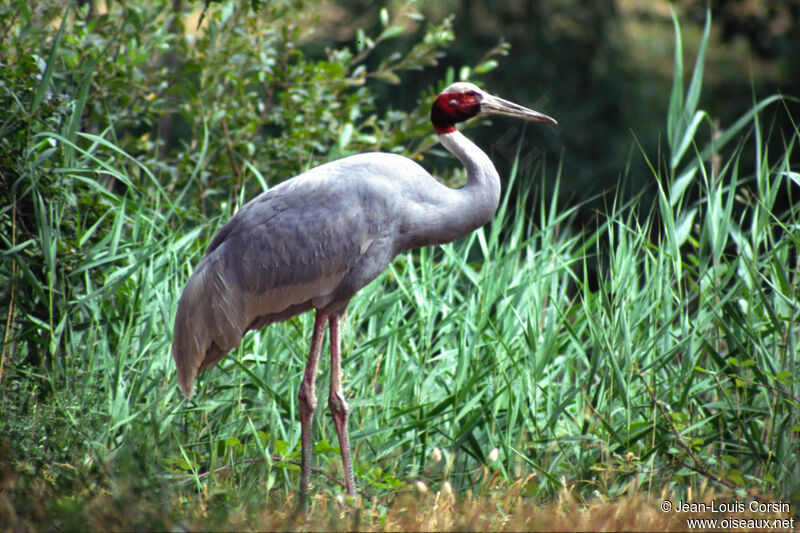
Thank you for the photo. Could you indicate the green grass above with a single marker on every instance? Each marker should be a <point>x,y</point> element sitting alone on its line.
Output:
<point>657,354</point>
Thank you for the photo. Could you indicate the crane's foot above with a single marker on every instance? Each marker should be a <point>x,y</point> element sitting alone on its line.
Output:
<point>307,400</point>
<point>339,407</point>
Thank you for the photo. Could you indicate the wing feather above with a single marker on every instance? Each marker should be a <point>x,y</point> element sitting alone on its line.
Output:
<point>310,242</point>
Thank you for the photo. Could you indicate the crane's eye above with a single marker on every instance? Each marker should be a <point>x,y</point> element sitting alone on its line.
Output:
<point>472,94</point>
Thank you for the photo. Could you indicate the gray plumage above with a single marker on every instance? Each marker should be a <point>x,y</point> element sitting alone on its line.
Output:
<point>313,241</point>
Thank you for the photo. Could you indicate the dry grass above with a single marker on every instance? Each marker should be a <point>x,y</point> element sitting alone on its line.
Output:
<point>501,510</point>
<point>100,502</point>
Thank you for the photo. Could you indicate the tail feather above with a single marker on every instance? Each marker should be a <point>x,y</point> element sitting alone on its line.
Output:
<point>208,324</point>
<point>185,350</point>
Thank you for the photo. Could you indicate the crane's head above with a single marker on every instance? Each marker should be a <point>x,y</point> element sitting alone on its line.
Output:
<point>462,101</point>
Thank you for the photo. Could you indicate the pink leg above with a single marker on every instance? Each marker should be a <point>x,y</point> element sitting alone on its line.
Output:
<point>338,405</point>
<point>307,398</point>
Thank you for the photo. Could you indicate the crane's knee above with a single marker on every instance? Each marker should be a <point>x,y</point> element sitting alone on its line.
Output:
<point>307,400</point>
<point>338,404</point>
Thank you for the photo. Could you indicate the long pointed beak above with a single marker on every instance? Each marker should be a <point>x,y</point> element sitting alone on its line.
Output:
<point>492,105</point>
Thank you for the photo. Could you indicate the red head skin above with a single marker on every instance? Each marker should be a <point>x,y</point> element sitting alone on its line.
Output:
<point>450,108</point>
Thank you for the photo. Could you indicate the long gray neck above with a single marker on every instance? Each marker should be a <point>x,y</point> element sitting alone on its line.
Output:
<point>458,212</point>
<point>482,179</point>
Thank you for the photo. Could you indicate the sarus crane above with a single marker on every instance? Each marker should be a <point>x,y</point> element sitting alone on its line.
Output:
<point>313,241</point>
